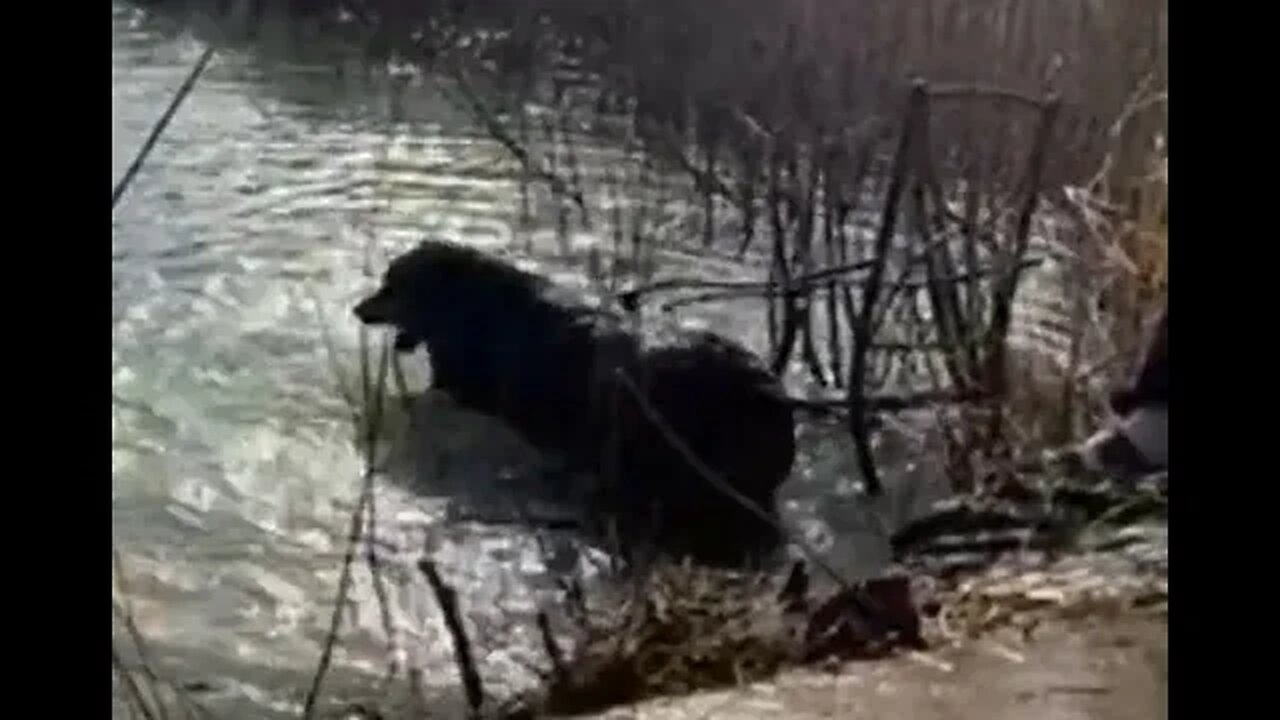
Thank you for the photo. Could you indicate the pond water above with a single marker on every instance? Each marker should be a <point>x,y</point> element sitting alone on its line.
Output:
<point>270,204</point>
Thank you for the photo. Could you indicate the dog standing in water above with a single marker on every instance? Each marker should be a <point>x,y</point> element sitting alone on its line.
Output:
<point>578,385</point>
<point>1137,442</point>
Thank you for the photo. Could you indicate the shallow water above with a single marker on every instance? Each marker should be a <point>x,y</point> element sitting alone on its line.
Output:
<point>284,181</point>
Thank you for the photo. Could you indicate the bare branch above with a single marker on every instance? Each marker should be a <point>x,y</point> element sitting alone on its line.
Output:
<point>447,597</point>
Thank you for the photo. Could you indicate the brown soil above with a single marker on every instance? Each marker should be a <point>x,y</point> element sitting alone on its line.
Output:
<point>1104,668</point>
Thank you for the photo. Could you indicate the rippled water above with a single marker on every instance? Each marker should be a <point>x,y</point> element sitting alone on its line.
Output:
<point>242,244</point>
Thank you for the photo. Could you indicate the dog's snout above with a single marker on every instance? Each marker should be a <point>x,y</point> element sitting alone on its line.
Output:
<point>362,311</point>
<point>373,310</point>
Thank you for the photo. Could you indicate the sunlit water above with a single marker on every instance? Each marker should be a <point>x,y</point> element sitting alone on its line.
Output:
<point>240,248</point>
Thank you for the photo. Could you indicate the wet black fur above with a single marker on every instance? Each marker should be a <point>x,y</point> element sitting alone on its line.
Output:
<point>502,342</point>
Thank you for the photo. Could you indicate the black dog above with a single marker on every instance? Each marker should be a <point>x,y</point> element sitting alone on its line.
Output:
<point>579,386</point>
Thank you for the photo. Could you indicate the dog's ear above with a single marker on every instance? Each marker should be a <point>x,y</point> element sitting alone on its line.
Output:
<point>422,272</point>
<point>397,274</point>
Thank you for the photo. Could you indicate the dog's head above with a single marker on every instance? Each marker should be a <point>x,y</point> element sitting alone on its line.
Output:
<point>415,291</point>
<point>441,287</point>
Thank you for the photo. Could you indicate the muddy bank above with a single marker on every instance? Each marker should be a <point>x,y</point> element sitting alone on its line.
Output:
<point>1074,630</point>
<point>1084,668</point>
<point>1083,635</point>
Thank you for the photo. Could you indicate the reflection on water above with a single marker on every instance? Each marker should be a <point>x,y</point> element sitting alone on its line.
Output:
<point>282,182</point>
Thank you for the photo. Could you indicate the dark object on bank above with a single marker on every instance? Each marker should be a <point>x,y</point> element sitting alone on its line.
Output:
<point>1136,441</point>
<point>1150,384</point>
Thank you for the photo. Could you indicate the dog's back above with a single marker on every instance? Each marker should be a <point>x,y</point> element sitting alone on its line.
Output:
<point>727,410</point>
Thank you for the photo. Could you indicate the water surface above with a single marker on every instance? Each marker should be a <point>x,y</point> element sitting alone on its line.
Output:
<point>268,207</point>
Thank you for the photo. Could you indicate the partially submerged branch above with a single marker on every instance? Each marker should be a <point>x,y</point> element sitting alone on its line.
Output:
<point>447,597</point>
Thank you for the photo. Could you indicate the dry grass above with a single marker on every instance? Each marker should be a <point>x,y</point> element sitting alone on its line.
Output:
<point>1022,593</point>
<point>681,628</point>
<point>802,69</point>
<point>1121,282</point>
<point>1132,220</point>
<point>685,629</point>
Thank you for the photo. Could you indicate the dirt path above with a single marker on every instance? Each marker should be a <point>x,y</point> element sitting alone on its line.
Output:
<point>1095,669</point>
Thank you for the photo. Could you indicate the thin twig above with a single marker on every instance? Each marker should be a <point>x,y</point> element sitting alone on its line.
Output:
<point>976,90</point>
<point>558,666</point>
<point>344,587</point>
<point>796,286</point>
<point>135,692</point>
<point>890,403</point>
<point>745,290</point>
<point>863,326</point>
<point>124,610</point>
<point>368,426</point>
<point>513,146</point>
<point>716,480</point>
<point>183,91</point>
<point>375,404</point>
<point>447,597</point>
<point>379,588</point>
<point>331,351</point>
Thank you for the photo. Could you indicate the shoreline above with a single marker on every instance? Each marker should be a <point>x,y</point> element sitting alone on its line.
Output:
<point>1103,668</point>
<point>1084,634</point>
